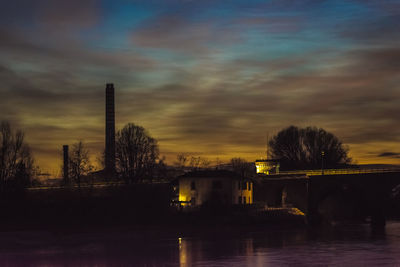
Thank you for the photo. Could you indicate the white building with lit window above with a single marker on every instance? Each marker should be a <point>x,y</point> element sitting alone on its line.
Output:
<point>267,166</point>
<point>218,187</point>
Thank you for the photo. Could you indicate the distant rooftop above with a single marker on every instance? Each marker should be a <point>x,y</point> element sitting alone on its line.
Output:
<point>212,173</point>
<point>267,160</point>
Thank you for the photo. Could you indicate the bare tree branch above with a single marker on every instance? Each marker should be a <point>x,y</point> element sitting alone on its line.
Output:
<point>136,153</point>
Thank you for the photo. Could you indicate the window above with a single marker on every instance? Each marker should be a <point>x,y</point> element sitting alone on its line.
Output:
<point>250,186</point>
<point>239,200</point>
<point>249,201</point>
<point>192,185</point>
<point>217,185</point>
<point>247,186</point>
<point>244,186</point>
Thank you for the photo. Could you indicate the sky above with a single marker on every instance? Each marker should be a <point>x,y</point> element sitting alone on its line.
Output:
<point>207,78</point>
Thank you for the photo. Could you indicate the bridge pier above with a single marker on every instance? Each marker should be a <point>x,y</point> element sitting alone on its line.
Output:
<point>378,218</point>
<point>313,218</point>
<point>337,197</point>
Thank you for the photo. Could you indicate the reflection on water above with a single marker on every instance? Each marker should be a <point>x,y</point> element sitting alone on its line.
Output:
<point>202,252</point>
<point>344,246</point>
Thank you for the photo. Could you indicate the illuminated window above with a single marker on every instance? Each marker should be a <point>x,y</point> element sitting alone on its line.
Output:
<point>193,185</point>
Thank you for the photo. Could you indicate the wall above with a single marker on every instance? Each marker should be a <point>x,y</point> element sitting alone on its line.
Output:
<point>242,191</point>
<point>205,191</point>
<point>282,191</point>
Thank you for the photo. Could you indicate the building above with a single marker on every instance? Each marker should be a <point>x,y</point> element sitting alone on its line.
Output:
<point>219,187</point>
<point>267,166</point>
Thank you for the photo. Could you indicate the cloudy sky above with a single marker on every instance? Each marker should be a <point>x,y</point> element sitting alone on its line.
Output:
<point>205,77</point>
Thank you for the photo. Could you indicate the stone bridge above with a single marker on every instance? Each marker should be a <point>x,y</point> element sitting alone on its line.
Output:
<point>332,195</point>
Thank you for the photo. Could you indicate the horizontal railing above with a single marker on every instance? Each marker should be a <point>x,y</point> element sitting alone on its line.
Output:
<point>338,171</point>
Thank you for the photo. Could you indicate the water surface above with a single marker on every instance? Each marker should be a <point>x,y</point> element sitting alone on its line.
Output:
<point>349,245</point>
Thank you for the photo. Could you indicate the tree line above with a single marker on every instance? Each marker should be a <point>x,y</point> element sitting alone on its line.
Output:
<point>308,148</point>
<point>16,161</point>
<point>136,154</point>
<point>138,159</point>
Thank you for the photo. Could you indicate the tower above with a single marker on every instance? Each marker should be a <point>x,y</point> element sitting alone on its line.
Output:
<point>110,131</point>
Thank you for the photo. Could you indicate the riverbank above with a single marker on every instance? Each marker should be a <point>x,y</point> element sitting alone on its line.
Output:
<point>172,221</point>
<point>128,205</point>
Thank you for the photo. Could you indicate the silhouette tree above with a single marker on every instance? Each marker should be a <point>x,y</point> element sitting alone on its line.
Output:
<point>101,160</point>
<point>218,163</point>
<point>196,163</point>
<point>181,161</point>
<point>307,148</point>
<point>79,162</point>
<point>161,170</point>
<point>242,167</point>
<point>136,153</point>
<point>16,161</point>
<point>193,162</point>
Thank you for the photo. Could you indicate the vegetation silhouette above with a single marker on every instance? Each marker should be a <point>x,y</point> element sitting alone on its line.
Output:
<point>79,162</point>
<point>181,161</point>
<point>186,162</point>
<point>308,148</point>
<point>242,167</point>
<point>136,153</point>
<point>16,162</point>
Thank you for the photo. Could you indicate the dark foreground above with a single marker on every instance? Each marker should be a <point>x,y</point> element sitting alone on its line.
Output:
<point>135,226</point>
<point>123,206</point>
<point>345,245</point>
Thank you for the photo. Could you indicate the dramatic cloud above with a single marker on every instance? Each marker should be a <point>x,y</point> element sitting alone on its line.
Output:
<point>180,34</point>
<point>389,154</point>
<point>212,78</point>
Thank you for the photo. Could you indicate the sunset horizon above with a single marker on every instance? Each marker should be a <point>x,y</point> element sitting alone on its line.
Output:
<point>203,78</point>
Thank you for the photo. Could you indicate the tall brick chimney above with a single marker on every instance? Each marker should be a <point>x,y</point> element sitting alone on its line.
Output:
<point>110,132</point>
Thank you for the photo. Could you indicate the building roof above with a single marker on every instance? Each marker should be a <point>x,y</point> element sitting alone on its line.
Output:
<point>211,173</point>
<point>267,160</point>
<point>283,177</point>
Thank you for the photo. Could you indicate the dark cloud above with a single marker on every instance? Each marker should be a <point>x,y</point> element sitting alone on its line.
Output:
<point>180,33</point>
<point>274,24</point>
<point>372,31</point>
<point>68,55</point>
<point>65,14</point>
<point>204,77</point>
<point>59,15</point>
<point>379,60</point>
<point>389,154</point>
<point>353,105</point>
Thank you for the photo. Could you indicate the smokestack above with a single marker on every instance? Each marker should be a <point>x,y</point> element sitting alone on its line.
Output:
<point>110,131</point>
<point>65,174</point>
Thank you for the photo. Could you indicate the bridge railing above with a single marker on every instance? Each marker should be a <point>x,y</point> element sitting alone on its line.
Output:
<point>339,171</point>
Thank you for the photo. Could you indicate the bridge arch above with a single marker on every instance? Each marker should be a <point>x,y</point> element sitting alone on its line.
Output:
<point>341,202</point>
<point>392,207</point>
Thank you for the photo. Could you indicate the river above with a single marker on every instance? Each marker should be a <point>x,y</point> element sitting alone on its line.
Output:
<point>345,245</point>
